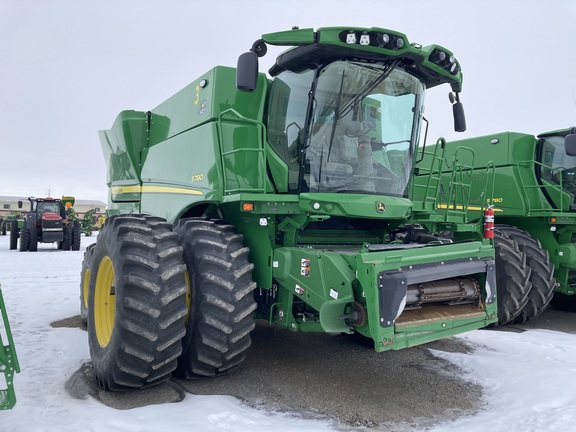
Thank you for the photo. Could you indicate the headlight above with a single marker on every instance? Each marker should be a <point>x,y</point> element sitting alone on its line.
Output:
<point>445,60</point>
<point>375,39</point>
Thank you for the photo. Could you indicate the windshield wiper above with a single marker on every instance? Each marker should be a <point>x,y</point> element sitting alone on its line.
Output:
<point>368,88</point>
<point>336,116</point>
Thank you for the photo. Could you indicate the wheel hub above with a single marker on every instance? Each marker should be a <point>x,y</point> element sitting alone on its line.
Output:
<point>104,302</point>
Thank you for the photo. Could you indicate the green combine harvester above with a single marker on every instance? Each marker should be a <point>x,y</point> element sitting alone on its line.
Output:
<point>535,207</point>
<point>8,361</point>
<point>287,198</point>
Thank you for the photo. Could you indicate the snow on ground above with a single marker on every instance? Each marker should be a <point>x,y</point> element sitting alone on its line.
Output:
<point>529,381</point>
<point>529,378</point>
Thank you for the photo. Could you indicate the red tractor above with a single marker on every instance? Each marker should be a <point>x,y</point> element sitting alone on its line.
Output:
<point>46,222</point>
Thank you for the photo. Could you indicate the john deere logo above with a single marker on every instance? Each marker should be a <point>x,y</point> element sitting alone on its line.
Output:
<point>380,207</point>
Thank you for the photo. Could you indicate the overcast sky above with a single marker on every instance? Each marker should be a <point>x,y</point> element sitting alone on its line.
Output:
<point>68,67</point>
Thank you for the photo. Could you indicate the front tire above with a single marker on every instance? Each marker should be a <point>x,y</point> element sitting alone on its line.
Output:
<point>512,277</point>
<point>85,281</point>
<point>33,240</point>
<point>221,298</point>
<point>541,276</point>
<point>76,236</point>
<point>14,234</point>
<point>24,239</point>
<point>66,238</point>
<point>136,302</point>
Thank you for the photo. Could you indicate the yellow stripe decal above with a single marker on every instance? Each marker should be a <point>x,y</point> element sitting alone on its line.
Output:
<point>472,208</point>
<point>118,190</point>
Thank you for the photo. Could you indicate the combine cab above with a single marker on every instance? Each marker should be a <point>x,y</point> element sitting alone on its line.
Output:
<point>45,222</point>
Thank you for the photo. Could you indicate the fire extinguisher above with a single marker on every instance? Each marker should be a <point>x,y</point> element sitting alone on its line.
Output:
<point>489,222</point>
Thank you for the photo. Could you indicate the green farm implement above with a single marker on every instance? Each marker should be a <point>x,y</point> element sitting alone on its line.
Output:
<point>8,361</point>
<point>86,222</point>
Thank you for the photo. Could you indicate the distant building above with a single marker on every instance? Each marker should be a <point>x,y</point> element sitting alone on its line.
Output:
<point>9,205</point>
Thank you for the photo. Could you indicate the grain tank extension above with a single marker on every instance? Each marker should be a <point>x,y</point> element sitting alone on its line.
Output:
<point>286,198</point>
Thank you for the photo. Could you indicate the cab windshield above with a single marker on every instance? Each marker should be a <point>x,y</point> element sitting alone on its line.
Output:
<point>557,167</point>
<point>48,206</point>
<point>363,126</point>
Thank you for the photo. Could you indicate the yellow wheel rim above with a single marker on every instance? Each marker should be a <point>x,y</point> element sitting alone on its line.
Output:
<point>85,285</point>
<point>104,302</point>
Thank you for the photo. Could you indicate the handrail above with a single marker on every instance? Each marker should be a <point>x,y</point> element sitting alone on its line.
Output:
<point>260,159</point>
<point>452,197</point>
<point>524,187</point>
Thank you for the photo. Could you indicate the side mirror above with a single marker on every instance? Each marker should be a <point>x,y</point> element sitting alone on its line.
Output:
<point>458,112</point>
<point>570,144</point>
<point>459,117</point>
<point>247,71</point>
<point>19,204</point>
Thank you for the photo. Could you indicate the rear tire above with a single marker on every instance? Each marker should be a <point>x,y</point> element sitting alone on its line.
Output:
<point>512,277</point>
<point>85,282</point>
<point>136,302</point>
<point>541,276</point>
<point>14,234</point>
<point>221,298</point>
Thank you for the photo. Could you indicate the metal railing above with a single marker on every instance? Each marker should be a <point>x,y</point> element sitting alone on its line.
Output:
<point>233,182</point>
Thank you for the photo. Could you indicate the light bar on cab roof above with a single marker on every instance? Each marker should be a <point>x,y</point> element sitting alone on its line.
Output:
<point>445,60</point>
<point>375,39</point>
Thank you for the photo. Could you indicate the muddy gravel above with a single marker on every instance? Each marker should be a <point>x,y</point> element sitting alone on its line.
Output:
<point>330,377</point>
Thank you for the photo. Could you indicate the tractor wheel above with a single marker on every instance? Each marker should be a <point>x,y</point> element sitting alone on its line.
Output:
<point>14,234</point>
<point>221,298</point>
<point>76,236</point>
<point>3,227</point>
<point>136,302</point>
<point>542,274</point>
<point>33,241</point>
<point>84,282</point>
<point>24,239</point>
<point>512,277</point>
<point>67,238</point>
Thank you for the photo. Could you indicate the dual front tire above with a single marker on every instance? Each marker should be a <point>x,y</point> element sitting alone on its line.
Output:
<point>136,302</point>
<point>221,298</point>
<point>524,275</point>
<point>156,300</point>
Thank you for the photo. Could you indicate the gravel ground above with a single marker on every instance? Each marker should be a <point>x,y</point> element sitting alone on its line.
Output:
<point>331,377</point>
